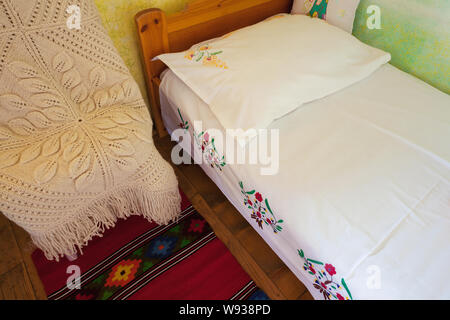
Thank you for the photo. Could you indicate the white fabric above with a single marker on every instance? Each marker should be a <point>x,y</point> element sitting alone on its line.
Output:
<point>363,183</point>
<point>309,58</point>
<point>339,13</point>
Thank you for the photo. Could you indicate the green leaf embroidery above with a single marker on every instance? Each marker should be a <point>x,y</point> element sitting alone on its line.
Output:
<point>268,207</point>
<point>346,288</point>
<point>314,261</point>
<point>201,56</point>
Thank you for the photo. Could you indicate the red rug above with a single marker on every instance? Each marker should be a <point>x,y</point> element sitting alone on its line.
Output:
<point>141,260</point>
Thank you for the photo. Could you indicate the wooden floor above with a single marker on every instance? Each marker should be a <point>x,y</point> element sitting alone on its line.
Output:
<point>19,278</point>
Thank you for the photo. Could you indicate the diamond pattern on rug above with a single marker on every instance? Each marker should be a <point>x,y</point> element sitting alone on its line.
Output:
<point>183,260</point>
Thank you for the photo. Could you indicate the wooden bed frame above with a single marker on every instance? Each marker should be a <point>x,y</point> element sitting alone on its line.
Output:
<point>199,21</point>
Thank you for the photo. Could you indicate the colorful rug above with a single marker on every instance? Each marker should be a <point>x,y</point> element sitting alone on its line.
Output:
<point>140,260</point>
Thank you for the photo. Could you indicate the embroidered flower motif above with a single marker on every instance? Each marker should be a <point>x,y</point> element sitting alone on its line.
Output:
<point>209,151</point>
<point>184,123</point>
<point>261,211</point>
<point>258,197</point>
<point>207,56</point>
<point>330,269</point>
<point>312,269</point>
<point>316,8</point>
<point>122,273</point>
<point>205,144</point>
<point>323,279</point>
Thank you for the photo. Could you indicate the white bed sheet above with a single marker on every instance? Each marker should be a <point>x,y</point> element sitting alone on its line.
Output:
<point>363,185</point>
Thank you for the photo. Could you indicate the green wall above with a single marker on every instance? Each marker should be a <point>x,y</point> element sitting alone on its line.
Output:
<point>415,32</point>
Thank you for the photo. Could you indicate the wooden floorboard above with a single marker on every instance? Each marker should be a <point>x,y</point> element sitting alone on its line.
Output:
<point>27,247</point>
<point>18,275</point>
<point>15,284</point>
<point>9,251</point>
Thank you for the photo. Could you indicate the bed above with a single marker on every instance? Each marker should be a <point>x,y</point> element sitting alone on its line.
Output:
<point>360,206</point>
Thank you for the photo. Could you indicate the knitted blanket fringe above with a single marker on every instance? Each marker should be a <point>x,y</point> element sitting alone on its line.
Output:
<point>70,237</point>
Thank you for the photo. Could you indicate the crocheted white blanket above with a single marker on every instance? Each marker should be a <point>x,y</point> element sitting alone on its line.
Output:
<point>76,149</point>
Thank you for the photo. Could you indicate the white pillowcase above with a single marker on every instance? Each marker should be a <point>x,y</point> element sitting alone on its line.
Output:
<point>260,73</point>
<point>340,13</point>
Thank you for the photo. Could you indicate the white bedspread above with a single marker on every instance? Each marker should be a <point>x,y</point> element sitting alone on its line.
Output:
<point>363,185</point>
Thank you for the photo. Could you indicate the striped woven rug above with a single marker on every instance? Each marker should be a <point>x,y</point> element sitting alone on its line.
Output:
<point>141,260</point>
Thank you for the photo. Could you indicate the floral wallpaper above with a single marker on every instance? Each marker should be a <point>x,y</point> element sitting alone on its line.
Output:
<point>415,32</point>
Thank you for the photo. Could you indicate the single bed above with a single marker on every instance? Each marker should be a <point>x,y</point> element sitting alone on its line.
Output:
<point>360,206</point>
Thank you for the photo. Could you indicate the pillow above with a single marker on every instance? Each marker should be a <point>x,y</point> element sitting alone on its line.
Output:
<point>259,73</point>
<point>340,13</point>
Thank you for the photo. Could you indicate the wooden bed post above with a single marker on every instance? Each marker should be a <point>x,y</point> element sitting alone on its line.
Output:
<point>152,30</point>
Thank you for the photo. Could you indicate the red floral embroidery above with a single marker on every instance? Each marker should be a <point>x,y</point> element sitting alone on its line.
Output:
<point>207,146</point>
<point>183,124</point>
<point>261,211</point>
<point>324,281</point>
<point>258,197</point>
<point>312,270</point>
<point>209,151</point>
<point>330,269</point>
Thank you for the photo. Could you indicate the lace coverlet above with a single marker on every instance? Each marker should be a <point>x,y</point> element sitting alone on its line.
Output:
<point>76,149</point>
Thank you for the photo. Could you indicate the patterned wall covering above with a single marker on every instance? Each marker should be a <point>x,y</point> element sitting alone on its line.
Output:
<point>415,32</point>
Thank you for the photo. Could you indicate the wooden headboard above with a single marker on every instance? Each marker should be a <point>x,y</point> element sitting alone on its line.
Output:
<point>199,21</point>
